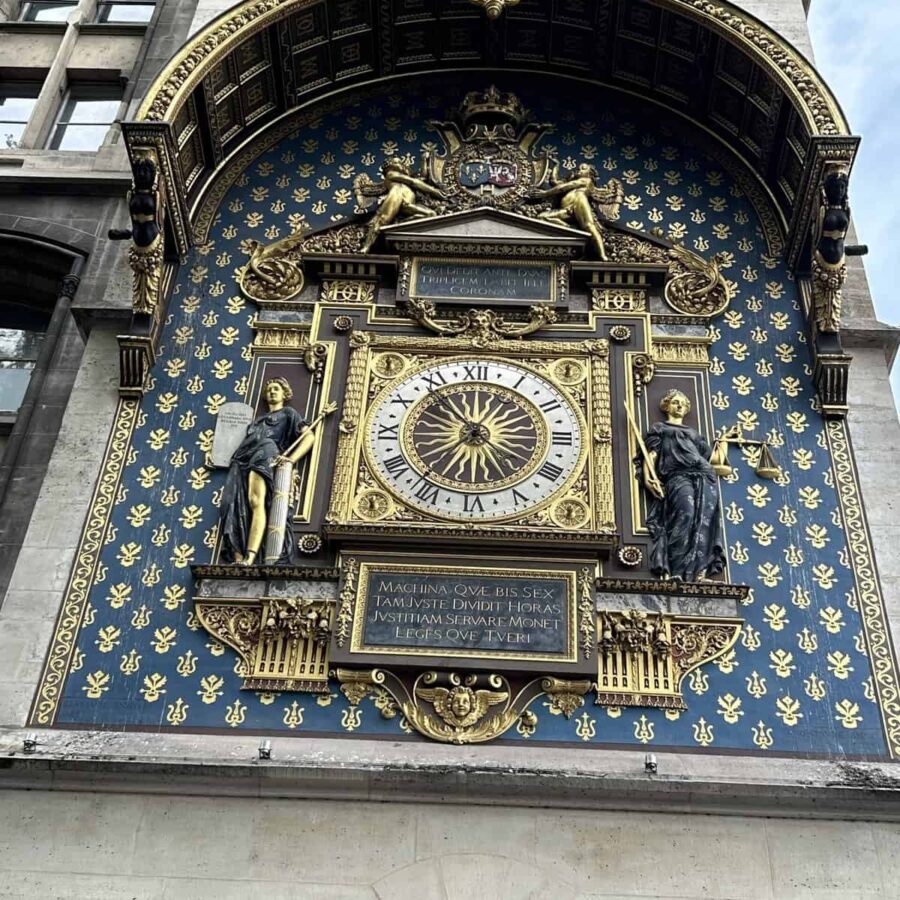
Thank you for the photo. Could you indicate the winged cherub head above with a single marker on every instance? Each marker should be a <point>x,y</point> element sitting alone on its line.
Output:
<point>462,701</point>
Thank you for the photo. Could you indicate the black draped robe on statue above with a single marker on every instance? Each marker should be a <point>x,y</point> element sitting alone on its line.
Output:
<point>684,526</point>
<point>267,437</point>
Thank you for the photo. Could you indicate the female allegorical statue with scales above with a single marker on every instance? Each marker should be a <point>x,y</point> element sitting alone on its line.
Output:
<point>678,469</point>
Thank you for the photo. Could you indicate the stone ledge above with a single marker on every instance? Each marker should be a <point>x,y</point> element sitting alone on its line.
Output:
<point>871,333</point>
<point>391,771</point>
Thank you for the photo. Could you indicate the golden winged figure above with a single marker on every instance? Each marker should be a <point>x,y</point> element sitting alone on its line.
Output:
<point>460,706</point>
<point>398,191</point>
<point>581,199</point>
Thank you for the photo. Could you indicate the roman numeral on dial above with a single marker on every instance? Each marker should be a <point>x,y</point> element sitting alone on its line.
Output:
<point>550,471</point>
<point>472,504</point>
<point>428,492</point>
<point>396,465</point>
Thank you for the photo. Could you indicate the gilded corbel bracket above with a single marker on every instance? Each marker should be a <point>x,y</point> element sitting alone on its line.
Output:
<point>282,641</point>
<point>643,368</point>
<point>823,152</point>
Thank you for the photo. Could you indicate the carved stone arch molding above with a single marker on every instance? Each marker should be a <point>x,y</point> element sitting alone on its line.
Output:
<point>710,62</point>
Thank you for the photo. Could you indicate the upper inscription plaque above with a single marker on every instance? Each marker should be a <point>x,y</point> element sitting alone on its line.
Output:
<point>452,611</point>
<point>483,281</point>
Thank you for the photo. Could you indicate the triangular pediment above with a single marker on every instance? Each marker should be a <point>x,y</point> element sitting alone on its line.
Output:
<point>484,225</point>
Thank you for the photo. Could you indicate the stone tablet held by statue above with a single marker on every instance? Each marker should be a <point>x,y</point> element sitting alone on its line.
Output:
<point>231,428</point>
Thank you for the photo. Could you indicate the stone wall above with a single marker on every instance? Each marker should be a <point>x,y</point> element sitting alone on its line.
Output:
<point>80,845</point>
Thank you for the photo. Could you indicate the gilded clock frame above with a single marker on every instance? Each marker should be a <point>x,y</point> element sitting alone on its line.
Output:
<point>591,484</point>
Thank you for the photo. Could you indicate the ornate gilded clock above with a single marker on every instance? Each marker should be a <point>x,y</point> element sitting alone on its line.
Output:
<point>474,438</point>
<point>469,442</point>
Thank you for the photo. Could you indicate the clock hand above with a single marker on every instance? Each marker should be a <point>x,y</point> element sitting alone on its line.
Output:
<point>448,407</point>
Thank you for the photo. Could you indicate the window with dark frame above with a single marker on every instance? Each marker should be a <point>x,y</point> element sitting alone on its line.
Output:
<point>85,116</point>
<point>21,334</point>
<point>125,12</point>
<point>46,10</point>
<point>17,100</point>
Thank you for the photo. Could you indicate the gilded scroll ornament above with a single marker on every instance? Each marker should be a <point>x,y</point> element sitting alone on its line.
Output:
<point>565,697</point>
<point>399,192</point>
<point>482,327</point>
<point>696,287</point>
<point>643,368</point>
<point>270,275</point>
<point>461,709</point>
<point>829,265</point>
<point>583,201</point>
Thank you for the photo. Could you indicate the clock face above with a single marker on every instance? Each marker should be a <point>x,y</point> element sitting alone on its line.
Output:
<point>475,439</point>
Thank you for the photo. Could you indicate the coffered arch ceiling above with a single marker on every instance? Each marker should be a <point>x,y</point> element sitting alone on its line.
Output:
<point>711,62</point>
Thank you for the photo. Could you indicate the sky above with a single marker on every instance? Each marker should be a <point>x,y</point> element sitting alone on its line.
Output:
<point>858,56</point>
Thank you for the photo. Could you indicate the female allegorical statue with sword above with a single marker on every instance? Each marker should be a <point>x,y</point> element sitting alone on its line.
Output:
<point>257,488</point>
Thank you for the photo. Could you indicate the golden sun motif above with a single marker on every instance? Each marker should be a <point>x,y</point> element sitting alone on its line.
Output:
<point>476,436</point>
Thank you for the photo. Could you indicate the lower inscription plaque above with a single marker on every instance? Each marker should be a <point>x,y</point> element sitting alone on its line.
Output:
<point>451,611</point>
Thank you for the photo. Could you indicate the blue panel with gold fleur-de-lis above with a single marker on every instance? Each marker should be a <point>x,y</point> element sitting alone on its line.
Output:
<point>799,681</point>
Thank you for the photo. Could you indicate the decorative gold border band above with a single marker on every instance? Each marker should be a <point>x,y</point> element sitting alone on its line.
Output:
<point>871,601</point>
<point>75,599</point>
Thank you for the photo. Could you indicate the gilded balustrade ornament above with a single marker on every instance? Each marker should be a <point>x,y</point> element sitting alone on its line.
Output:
<point>282,641</point>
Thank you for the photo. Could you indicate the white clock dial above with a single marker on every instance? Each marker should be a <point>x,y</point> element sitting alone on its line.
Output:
<point>475,439</point>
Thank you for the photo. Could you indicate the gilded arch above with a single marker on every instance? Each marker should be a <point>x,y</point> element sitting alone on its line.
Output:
<point>709,61</point>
